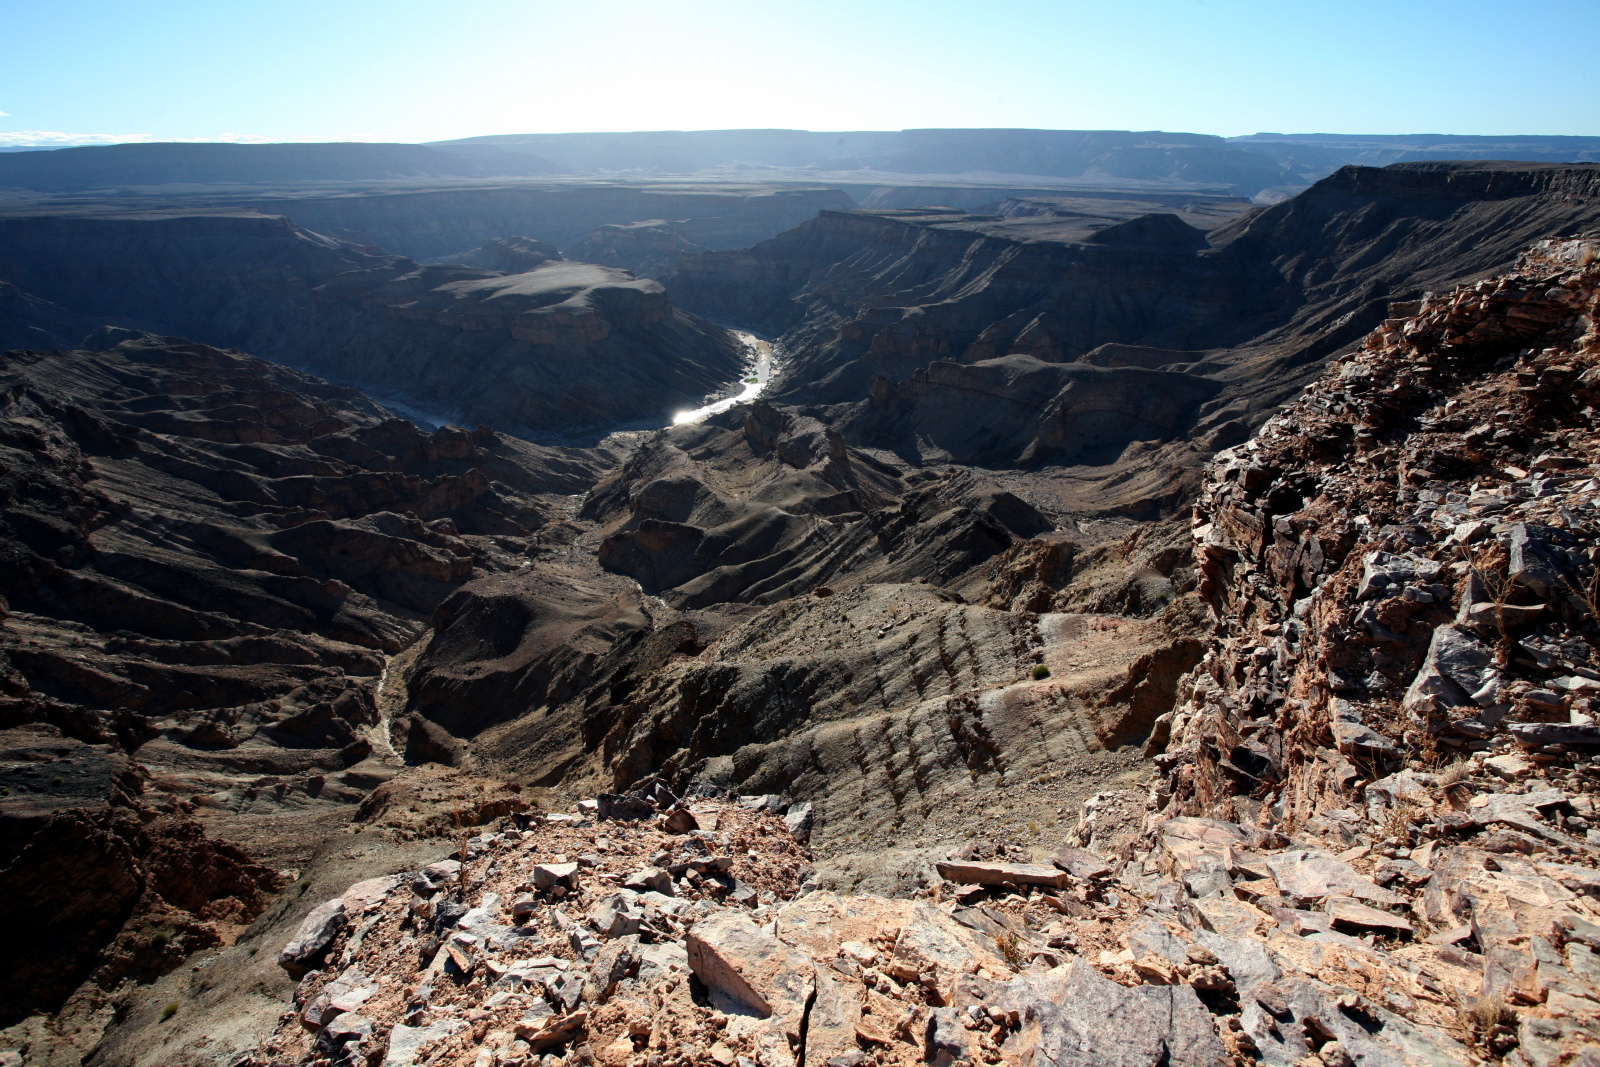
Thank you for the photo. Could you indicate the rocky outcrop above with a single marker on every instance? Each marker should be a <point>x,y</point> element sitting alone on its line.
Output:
<point>562,347</point>
<point>1401,560</point>
<point>102,885</point>
<point>1420,517</point>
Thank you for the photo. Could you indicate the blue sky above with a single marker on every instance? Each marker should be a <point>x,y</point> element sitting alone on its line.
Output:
<point>76,71</point>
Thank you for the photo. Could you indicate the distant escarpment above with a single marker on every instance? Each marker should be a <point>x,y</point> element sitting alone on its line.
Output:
<point>872,304</point>
<point>430,222</point>
<point>558,348</point>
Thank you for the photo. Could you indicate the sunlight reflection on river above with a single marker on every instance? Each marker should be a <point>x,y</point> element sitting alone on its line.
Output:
<point>755,382</point>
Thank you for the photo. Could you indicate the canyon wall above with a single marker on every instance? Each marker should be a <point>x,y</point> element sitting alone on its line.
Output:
<point>565,347</point>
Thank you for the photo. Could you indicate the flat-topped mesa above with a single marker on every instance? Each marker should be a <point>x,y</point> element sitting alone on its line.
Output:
<point>551,304</point>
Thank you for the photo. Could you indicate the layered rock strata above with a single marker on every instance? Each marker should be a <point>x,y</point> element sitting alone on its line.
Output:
<point>551,349</point>
<point>208,560</point>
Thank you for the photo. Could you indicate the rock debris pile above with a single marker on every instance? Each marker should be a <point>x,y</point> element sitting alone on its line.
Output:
<point>1400,698</point>
<point>643,930</point>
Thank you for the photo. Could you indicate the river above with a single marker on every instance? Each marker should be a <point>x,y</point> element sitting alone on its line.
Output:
<point>757,374</point>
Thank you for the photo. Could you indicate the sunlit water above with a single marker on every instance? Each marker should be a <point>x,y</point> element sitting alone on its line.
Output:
<point>755,382</point>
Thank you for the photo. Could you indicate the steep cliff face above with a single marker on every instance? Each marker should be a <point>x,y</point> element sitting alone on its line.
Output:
<point>1406,549</point>
<point>1018,411</point>
<point>560,348</point>
<point>861,294</point>
<point>880,303</point>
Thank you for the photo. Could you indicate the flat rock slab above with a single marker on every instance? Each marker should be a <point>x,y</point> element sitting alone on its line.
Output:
<point>1308,877</point>
<point>406,1043</point>
<point>1074,1017</point>
<point>1003,874</point>
<point>317,931</point>
<point>1081,864</point>
<point>752,973</point>
<point>822,923</point>
<point>1346,914</point>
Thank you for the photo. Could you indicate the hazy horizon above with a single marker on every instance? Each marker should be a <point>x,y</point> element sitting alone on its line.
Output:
<point>89,71</point>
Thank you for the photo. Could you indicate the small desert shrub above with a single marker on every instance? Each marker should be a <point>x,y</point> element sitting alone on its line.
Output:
<point>1483,1014</point>
<point>1010,949</point>
<point>1040,672</point>
<point>169,1011</point>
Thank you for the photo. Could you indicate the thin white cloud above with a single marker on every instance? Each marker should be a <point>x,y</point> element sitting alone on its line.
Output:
<point>57,139</point>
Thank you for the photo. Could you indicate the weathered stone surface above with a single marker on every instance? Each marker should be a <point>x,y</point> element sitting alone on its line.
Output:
<point>1458,671</point>
<point>317,931</point>
<point>1346,914</point>
<point>1308,878</point>
<point>546,875</point>
<point>616,915</point>
<point>752,972</point>
<point>1001,874</point>
<point>1073,1017</point>
<point>407,1043</point>
<point>1081,864</point>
